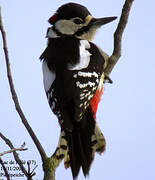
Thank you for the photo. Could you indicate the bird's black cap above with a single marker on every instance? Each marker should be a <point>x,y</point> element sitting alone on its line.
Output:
<point>68,11</point>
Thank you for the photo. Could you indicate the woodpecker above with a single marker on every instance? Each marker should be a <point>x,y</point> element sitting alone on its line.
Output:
<point>73,77</point>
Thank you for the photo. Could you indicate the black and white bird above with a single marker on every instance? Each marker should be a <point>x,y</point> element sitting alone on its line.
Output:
<point>73,76</point>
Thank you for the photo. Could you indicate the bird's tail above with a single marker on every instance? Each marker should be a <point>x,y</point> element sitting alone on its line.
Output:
<point>79,146</point>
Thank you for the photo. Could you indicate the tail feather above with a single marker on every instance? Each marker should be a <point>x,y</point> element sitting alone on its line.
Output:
<point>77,155</point>
<point>80,150</point>
<point>83,158</point>
<point>79,146</point>
<point>73,154</point>
<point>98,141</point>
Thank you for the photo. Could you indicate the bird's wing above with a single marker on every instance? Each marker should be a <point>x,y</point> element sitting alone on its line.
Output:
<point>74,79</point>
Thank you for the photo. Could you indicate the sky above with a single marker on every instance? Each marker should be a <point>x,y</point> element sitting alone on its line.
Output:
<point>126,113</point>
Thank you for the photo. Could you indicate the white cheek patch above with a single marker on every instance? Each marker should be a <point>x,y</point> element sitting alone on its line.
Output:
<point>84,56</point>
<point>48,76</point>
<point>66,27</point>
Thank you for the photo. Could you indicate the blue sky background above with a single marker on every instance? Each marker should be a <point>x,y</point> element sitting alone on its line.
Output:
<point>126,112</point>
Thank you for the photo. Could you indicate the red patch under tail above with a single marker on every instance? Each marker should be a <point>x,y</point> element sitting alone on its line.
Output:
<point>96,99</point>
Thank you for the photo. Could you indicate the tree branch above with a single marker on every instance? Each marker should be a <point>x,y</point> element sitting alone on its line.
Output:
<point>8,142</point>
<point>14,95</point>
<point>118,37</point>
<point>31,173</point>
<point>14,149</point>
<point>5,170</point>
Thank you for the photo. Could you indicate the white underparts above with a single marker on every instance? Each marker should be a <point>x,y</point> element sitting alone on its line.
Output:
<point>48,76</point>
<point>84,56</point>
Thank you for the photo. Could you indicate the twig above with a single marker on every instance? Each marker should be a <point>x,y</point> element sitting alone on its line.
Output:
<point>31,173</point>
<point>118,37</point>
<point>14,95</point>
<point>8,142</point>
<point>14,149</point>
<point>5,170</point>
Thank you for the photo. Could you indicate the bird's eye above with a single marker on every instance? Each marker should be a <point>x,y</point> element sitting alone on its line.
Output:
<point>78,21</point>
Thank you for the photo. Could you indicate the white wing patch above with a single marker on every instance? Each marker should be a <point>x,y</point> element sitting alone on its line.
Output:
<point>84,56</point>
<point>81,86</point>
<point>48,76</point>
<point>88,74</point>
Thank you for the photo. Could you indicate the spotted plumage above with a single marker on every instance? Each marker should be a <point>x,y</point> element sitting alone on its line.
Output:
<point>73,76</point>
<point>71,82</point>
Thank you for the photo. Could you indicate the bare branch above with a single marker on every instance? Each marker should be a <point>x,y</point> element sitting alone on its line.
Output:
<point>8,142</point>
<point>14,149</point>
<point>14,95</point>
<point>5,170</point>
<point>31,173</point>
<point>118,36</point>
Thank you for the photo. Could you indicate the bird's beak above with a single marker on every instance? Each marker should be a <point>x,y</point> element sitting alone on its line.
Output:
<point>102,21</point>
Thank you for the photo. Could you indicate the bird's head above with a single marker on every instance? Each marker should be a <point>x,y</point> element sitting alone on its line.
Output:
<point>73,19</point>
